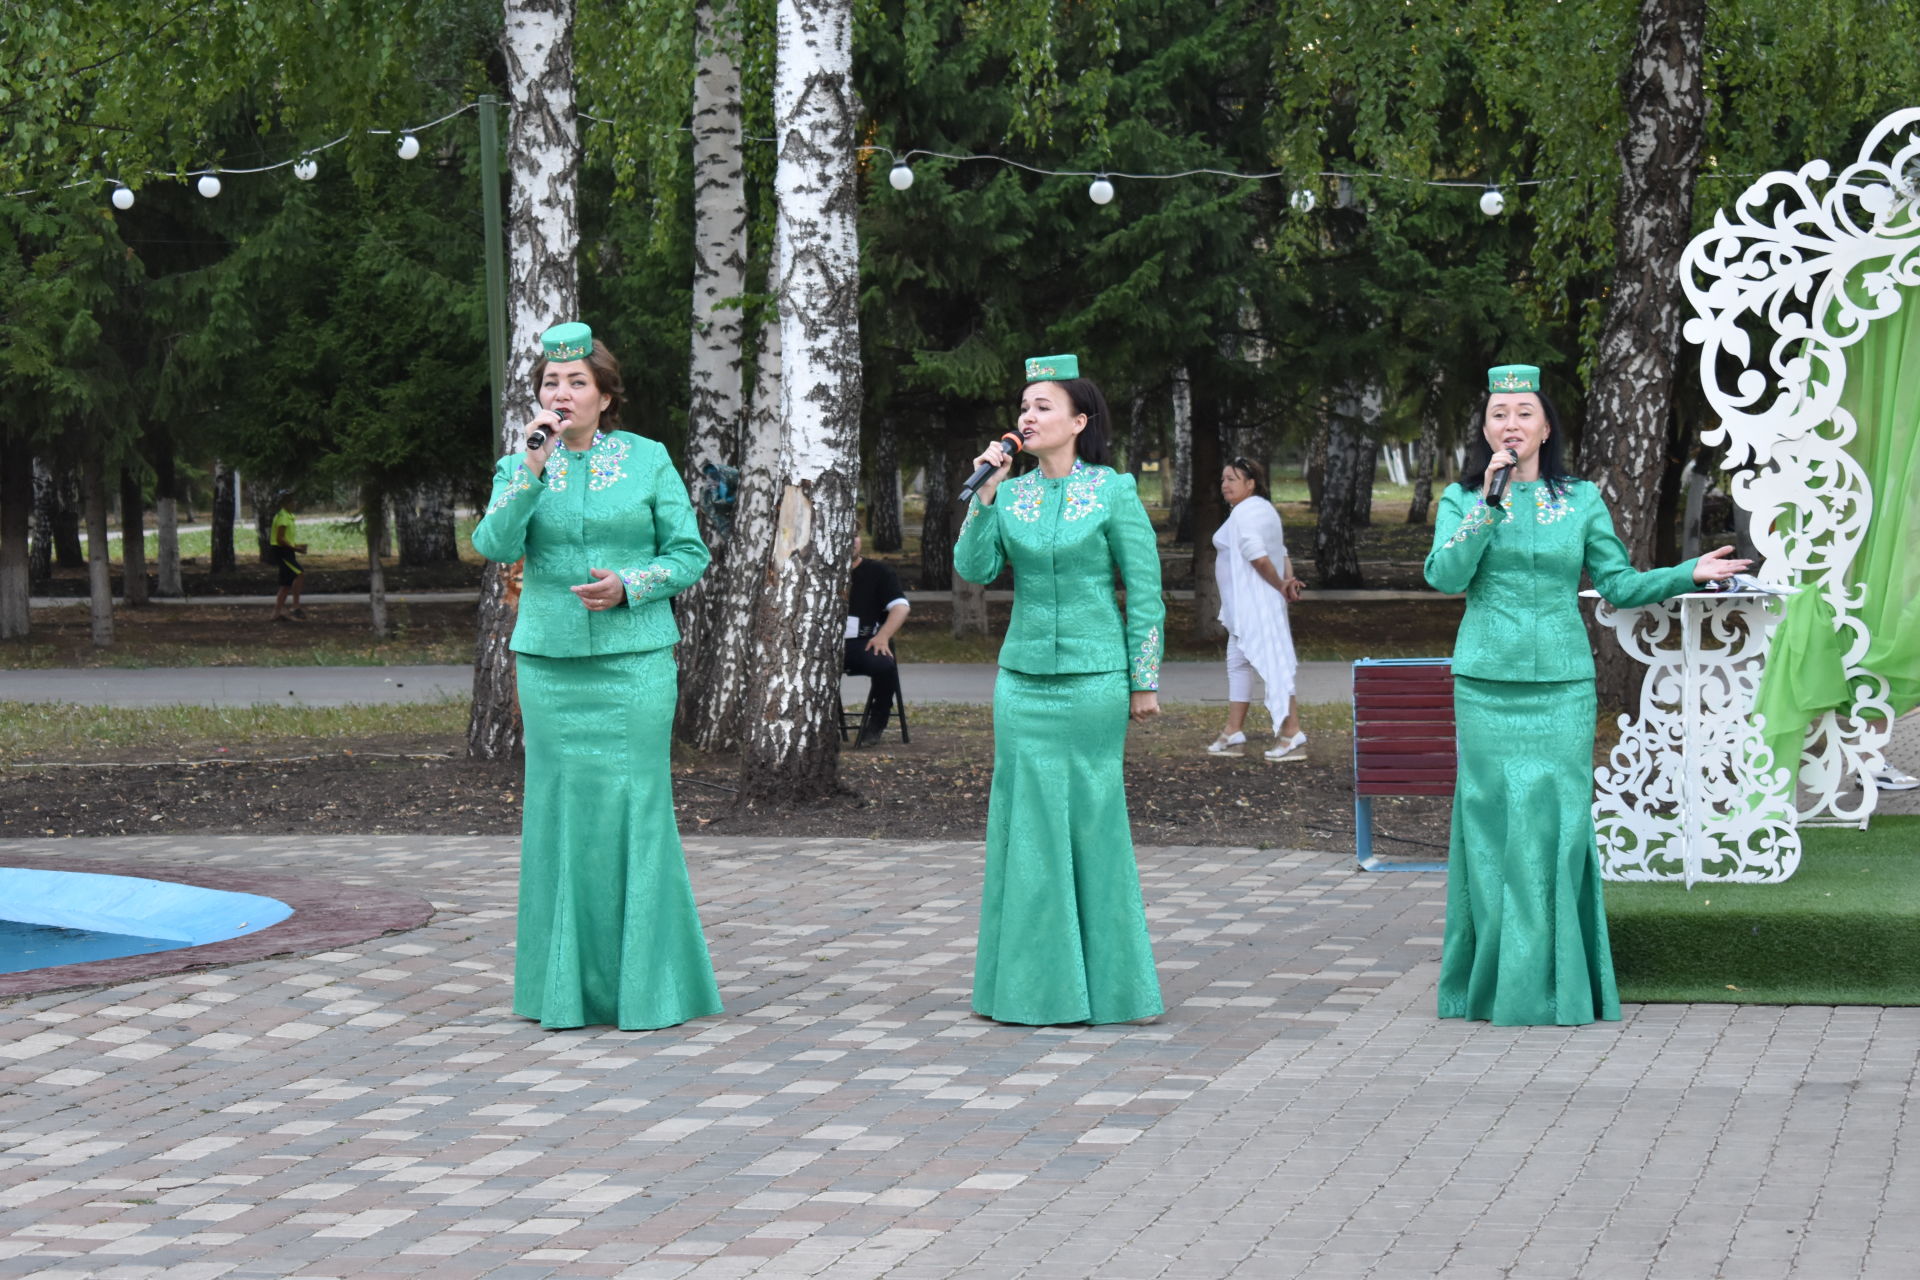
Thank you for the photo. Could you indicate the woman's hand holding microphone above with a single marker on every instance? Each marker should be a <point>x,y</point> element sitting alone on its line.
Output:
<point>543,437</point>
<point>1001,459</point>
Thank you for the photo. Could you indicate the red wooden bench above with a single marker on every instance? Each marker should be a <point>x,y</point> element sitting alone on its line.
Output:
<point>1403,742</point>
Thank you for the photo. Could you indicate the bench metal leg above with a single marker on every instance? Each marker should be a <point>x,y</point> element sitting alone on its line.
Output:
<point>1363,843</point>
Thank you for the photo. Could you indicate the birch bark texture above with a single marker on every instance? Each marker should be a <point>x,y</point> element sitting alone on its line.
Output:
<point>791,748</point>
<point>716,399</point>
<point>713,722</point>
<point>543,240</point>
<point>1632,398</point>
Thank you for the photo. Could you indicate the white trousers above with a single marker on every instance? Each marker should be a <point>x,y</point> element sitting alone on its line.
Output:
<point>1240,673</point>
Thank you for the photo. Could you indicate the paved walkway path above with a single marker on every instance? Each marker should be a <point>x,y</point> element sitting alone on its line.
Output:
<point>1297,1112</point>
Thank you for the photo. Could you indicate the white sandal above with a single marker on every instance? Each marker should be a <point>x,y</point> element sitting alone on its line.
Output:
<point>1288,749</point>
<point>1227,745</point>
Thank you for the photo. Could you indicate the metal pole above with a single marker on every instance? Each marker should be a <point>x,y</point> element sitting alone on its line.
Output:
<point>493,222</point>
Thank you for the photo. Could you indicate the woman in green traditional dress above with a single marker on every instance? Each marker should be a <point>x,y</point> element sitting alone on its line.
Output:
<point>1526,933</point>
<point>1063,933</point>
<point>607,932</point>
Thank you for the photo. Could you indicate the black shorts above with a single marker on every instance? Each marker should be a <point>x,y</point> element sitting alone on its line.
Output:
<point>289,567</point>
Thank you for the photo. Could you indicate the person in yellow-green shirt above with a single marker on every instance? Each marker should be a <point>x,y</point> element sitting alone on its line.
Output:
<point>283,549</point>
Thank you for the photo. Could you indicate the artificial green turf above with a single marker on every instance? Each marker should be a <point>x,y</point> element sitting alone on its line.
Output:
<point>1845,929</point>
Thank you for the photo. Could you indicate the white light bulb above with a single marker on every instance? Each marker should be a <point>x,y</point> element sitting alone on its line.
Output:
<point>409,147</point>
<point>1100,191</point>
<point>1492,203</point>
<point>209,186</point>
<point>122,198</point>
<point>1302,200</point>
<point>305,168</point>
<point>901,177</point>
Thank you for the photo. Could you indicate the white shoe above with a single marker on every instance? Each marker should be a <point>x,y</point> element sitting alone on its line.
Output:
<point>1289,749</point>
<point>1888,778</point>
<point>1227,745</point>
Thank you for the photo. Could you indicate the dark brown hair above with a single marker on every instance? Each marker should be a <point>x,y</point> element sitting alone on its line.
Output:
<point>606,377</point>
<point>1254,472</point>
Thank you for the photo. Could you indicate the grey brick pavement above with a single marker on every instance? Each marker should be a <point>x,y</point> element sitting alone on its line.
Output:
<point>376,1111</point>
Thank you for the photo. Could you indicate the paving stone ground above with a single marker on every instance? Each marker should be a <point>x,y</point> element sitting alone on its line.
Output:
<point>377,1112</point>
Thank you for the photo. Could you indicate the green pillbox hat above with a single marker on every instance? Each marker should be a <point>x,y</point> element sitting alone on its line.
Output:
<point>1052,368</point>
<point>1513,377</point>
<point>570,341</point>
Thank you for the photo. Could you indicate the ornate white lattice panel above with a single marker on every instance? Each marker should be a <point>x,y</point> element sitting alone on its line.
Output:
<point>1690,792</point>
<point>1782,284</point>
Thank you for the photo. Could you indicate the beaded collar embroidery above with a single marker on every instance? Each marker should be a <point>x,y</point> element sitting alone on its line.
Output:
<point>1083,490</point>
<point>604,457</point>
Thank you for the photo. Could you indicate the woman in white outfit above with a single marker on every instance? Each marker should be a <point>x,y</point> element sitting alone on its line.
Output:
<point>1256,582</point>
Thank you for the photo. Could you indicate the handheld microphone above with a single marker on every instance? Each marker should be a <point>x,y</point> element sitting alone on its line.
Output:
<point>538,436</point>
<point>1497,487</point>
<point>1015,443</point>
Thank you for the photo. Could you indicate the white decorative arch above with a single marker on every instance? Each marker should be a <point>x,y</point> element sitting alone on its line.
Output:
<point>1774,316</point>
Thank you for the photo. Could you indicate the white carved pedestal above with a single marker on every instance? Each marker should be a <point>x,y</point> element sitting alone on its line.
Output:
<point>1690,792</point>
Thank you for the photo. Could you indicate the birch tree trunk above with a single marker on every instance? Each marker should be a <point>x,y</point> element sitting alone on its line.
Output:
<point>1335,553</point>
<point>374,509</point>
<point>883,502</point>
<point>543,238</point>
<point>791,750</point>
<point>1625,446</point>
<point>260,498</point>
<point>166,521</point>
<point>1361,495</point>
<point>133,541</point>
<point>715,383</point>
<point>99,573</point>
<point>423,520</point>
<point>40,544</point>
<point>711,715</point>
<point>16,522</point>
<point>1180,484</point>
<point>225,487</point>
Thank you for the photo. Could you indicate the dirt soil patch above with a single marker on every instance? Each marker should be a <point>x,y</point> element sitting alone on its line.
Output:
<point>933,788</point>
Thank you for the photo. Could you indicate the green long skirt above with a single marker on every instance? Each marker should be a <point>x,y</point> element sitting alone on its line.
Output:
<point>608,933</point>
<point>1063,933</point>
<point>1526,938</point>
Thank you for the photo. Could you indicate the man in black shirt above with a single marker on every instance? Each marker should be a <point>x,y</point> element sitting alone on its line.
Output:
<point>876,609</point>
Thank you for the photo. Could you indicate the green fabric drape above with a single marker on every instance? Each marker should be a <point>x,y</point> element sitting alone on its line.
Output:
<point>1805,673</point>
<point>1883,391</point>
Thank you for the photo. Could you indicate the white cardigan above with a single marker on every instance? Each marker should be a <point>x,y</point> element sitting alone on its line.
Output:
<point>1254,614</point>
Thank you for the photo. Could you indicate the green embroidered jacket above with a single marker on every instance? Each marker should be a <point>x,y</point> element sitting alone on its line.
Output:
<point>1064,539</point>
<point>1520,568</point>
<point>619,505</point>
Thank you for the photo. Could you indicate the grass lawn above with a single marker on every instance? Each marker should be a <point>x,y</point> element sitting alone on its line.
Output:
<point>1845,929</point>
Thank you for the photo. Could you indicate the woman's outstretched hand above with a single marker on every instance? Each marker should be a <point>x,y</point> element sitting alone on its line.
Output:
<point>1714,566</point>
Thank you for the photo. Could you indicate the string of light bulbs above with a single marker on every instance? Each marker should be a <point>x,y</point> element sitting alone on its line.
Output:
<point>305,167</point>
<point>900,175</point>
